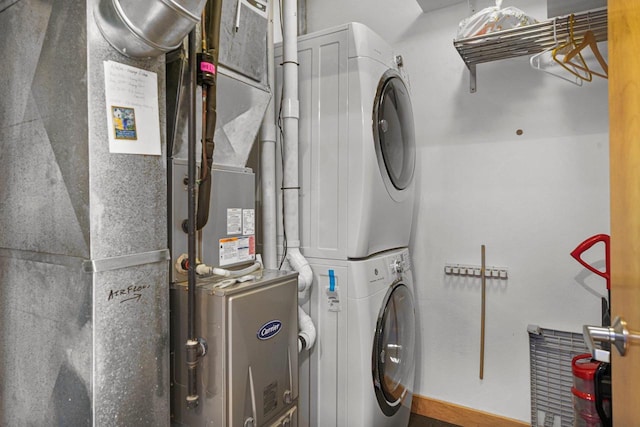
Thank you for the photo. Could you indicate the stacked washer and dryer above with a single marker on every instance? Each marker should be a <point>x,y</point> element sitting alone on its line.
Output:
<point>357,158</point>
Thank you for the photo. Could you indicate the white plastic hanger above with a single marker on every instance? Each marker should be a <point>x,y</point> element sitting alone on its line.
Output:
<point>544,61</point>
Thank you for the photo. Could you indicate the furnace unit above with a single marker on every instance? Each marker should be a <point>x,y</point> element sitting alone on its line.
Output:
<point>249,376</point>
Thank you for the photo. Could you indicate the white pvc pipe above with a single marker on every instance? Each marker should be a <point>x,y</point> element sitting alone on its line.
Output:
<point>299,263</point>
<point>268,160</point>
<point>307,331</point>
<point>206,270</point>
<point>290,117</point>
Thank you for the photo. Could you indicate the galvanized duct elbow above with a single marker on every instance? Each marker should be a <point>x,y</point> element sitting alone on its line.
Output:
<point>144,29</point>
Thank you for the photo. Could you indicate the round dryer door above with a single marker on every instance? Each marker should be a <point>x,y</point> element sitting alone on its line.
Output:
<point>393,132</point>
<point>394,349</point>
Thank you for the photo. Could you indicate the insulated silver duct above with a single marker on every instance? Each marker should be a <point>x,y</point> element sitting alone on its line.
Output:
<point>143,29</point>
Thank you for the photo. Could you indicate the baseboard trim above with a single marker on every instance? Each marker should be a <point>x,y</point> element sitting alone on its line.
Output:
<point>460,415</point>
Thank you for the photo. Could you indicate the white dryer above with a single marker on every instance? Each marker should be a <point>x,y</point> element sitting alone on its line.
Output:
<point>356,144</point>
<point>361,370</point>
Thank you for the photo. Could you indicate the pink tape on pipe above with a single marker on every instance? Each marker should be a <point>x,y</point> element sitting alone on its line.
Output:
<point>208,67</point>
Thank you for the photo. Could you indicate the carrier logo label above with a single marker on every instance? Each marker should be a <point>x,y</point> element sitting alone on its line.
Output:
<point>269,329</point>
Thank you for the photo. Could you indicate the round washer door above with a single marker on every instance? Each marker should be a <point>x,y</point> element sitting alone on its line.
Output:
<point>394,133</point>
<point>394,349</point>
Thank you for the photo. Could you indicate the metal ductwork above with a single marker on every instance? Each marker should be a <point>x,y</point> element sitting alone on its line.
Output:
<point>84,306</point>
<point>142,29</point>
<point>242,90</point>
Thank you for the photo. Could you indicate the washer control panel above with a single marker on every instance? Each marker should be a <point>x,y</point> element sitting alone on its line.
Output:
<point>396,267</point>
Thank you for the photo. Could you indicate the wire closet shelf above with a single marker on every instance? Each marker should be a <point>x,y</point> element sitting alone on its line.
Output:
<point>527,40</point>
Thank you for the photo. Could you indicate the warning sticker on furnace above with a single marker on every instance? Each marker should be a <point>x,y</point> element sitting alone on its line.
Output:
<point>237,249</point>
<point>248,222</point>
<point>234,221</point>
<point>270,397</point>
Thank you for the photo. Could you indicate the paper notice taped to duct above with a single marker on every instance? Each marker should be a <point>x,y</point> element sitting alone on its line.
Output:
<point>131,96</point>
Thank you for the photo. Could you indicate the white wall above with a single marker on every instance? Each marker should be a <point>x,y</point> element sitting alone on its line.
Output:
<point>530,199</point>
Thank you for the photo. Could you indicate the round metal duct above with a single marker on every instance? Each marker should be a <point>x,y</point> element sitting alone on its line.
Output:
<point>143,29</point>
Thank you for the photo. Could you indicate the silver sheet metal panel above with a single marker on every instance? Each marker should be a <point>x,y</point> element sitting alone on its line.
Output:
<point>242,88</point>
<point>241,107</point>
<point>128,192</point>
<point>251,330</point>
<point>74,350</point>
<point>128,218</point>
<point>243,37</point>
<point>228,238</point>
<point>45,298</point>
<point>241,104</point>
<point>131,358</point>
<point>43,128</point>
<point>45,343</point>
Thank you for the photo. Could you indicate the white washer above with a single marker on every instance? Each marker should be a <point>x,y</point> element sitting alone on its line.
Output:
<point>362,366</point>
<point>356,144</point>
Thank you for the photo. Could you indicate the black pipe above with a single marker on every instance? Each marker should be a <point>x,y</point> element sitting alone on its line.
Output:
<point>196,347</point>
<point>192,340</point>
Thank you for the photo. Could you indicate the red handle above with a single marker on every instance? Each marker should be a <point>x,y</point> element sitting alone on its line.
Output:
<point>584,246</point>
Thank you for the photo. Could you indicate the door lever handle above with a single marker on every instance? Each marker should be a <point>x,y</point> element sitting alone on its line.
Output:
<point>618,334</point>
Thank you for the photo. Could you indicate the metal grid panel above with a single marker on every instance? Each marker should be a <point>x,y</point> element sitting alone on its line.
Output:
<point>527,40</point>
<point>530,39</point>
<point>550,354</point>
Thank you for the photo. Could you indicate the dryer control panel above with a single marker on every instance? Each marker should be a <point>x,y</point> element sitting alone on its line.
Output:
<point>399,263</point>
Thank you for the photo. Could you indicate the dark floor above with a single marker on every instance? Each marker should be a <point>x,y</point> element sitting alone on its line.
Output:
<point>420,421</point>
